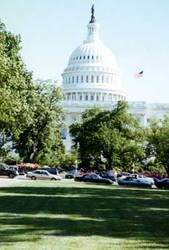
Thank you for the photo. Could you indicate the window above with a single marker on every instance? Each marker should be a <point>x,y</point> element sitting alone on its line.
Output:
<point>80,97</point>
<point>69,79</point>
<point>73,97</point>
<point>84,57</point>
<point>92,78</point>
<point>37,172</point>
<point>88,57</point>
<point>92,98</point>
<point>77,79</point>
<point>72,79</point>
<point>92,57</point>
<point>86,97</point>
<point>97,98</point>
<point>87,79</point>
<point>80,57</point>
<point>102,79</point>
<point>81,78</point>
<point>97,57</point>
<point>97,79</point>
<point>77,58</point>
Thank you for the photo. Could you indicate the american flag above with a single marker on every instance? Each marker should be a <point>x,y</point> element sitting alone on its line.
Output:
<point>140,74</point>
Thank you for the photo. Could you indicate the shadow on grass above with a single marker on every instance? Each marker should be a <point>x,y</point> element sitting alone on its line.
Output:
<point>32,212</point>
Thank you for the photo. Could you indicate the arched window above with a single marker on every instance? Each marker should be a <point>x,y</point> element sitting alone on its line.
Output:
<point>97,79</point>
<point>92,78</point>
<point>81,78</point>
<point>72,79</point>
<point>87,79</point>
<point>77,79</point>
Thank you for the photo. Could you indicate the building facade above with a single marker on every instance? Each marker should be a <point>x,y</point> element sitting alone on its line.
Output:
<point>92,78</point>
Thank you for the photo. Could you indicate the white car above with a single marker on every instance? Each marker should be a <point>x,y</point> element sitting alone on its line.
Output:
<point>144,178</point>
<point>42,175</point>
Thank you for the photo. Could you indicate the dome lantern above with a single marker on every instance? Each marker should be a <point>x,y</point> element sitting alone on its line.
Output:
<point>92,28</point>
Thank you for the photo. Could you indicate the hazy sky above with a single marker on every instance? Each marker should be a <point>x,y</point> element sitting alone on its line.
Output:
<point>136,31</point>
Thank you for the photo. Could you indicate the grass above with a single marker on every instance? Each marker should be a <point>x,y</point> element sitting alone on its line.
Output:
<point>75,216</point>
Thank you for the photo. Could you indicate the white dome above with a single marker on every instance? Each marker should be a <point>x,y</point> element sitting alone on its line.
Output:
<point>93,53</point>
<point>92,69</point>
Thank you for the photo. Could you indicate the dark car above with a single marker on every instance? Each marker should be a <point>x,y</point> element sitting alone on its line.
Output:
<point>93,178</point>
<point>71,174</point>
<point>5,170</point>
<point>164,183</point>
<point>107,176</point>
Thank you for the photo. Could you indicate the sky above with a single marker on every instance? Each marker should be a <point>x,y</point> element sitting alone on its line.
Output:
<point>136,31</point>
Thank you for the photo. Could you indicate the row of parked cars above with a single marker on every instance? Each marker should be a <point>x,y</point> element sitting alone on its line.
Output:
<point>136,180</point>
<point>102,177</point>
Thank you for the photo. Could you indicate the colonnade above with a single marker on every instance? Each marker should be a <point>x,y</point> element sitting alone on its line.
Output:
<point>93,96</point>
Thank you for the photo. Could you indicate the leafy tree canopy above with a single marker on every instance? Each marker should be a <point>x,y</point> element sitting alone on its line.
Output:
<point>113,137</point>
<point>41,141</point>
<point>16,84</point>
<point>158,142</point>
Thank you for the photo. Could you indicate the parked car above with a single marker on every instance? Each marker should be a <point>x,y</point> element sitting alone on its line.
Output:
<point>50,170</point>
<point>70,175</point>
<point>92,178</point>
<point>107,176</point>
<point>143,177</point>
<point>5,170</point>
<point>132,181</point>
<point>21,171</point>
<point>164,183</point>
<point>42,175</point>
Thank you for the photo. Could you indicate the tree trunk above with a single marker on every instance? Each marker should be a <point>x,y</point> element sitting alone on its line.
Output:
<point>167,170</point>
<point>110,164</point>
<point>31,156</point>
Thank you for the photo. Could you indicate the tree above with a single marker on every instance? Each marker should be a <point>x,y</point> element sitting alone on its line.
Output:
<point>16,87</point>
<point>113,136</point>
<point>158,142</point>
<point>41,141</point>
<point>16,84</point>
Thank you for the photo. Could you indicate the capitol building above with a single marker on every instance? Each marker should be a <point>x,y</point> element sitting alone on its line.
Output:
<point>92,79</point>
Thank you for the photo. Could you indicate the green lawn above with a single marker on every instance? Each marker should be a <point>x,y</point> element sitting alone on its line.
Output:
<point>68,215</point>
